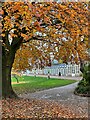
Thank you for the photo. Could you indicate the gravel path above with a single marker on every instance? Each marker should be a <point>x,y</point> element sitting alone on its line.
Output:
<point>64,96</point>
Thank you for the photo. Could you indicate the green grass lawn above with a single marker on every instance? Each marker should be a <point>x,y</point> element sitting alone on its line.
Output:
<point>33,84</point>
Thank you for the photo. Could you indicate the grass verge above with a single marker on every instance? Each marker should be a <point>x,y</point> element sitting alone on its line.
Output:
<point>32,84</point>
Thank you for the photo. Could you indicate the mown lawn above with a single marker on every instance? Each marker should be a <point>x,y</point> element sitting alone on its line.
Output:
<point>33,84</point>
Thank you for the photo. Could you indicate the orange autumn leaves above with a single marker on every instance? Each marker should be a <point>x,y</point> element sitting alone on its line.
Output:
<point>24,15</point>
<point>49,23</point>
<point>73,52</point>
<point>32,16</point>
<point>31,55</point>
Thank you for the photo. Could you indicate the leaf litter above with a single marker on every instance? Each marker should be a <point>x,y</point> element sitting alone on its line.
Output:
<point>33,109</point>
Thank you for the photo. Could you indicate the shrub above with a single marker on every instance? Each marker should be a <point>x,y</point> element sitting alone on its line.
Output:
<point>83,82</point>
<point>84,85</point>
<point>81,75</point>
<point>86,74</point>
<point>82,90</point>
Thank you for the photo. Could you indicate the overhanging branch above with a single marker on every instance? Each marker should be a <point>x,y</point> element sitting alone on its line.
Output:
<point>40,39</point>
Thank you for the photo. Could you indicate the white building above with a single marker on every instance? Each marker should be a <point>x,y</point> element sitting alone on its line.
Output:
<point>64,69</point>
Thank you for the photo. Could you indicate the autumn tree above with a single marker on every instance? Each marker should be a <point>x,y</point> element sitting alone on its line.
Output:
<point>36,55</point>
<point>61,25</point>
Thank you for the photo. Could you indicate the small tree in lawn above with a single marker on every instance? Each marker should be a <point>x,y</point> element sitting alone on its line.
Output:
<point>16,74</point>
<point>59,27</point>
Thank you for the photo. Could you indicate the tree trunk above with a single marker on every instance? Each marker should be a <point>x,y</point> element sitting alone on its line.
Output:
<point>81,65</point>
<point>7,62</point>
<point>16,78</point>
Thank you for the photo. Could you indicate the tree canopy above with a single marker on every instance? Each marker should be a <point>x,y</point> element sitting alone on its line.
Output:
<point>60,29</point>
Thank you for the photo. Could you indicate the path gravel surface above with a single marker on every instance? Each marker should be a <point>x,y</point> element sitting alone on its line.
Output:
<point>64,96</point>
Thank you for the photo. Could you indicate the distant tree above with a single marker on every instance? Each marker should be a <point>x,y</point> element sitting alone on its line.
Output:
<point>16,75</point>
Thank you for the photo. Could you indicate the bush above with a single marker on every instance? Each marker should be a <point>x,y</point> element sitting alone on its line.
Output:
<point>81,75</point>
<point>83,82</point>
<point>84,85</point>
<point>86,74</point>
<point>82,90</point>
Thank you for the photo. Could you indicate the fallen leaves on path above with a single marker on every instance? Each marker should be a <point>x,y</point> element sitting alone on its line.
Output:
<point>28,109</point>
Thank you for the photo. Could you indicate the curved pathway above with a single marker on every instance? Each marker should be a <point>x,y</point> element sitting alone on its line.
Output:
<point>64,96</point>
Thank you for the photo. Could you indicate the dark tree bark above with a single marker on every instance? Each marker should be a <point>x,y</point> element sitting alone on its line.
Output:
<point>8,57</point>
<point>7,62</point>
<point>16,78</point>
<point>81,65</point>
